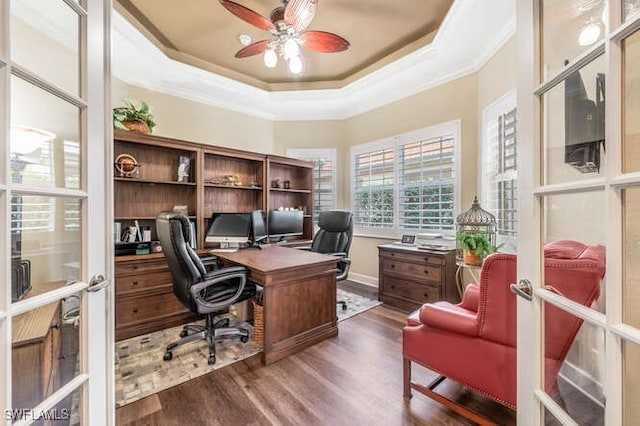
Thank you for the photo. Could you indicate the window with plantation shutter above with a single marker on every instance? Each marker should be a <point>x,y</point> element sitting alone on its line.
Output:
<point>500,168</point>
<point>373,188</point>
<point>426,184</point>
<point>407,183</point>
<point>324,176</point>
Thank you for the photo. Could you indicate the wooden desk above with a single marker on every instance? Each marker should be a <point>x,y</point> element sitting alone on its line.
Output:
<point>299,296</point>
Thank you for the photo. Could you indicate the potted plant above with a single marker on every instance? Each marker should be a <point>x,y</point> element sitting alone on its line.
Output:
<point>475,247</point>
<point>129,117</point>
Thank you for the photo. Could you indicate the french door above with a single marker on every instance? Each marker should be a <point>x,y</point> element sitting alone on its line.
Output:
<point>579,109</point>
<point>55,309</point>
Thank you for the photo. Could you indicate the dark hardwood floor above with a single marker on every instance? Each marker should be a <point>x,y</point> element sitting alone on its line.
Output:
<point>352,379</point>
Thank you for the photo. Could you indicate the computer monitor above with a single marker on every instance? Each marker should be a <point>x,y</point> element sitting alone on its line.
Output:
<point>284,223</point>
<point>258,227</point>
<point>229,229</point>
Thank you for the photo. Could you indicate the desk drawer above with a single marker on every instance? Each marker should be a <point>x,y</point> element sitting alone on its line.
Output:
<point>413,271</point>
<point>141,281</point>
<point>416,292</point>
<point>141,266</point>
<point>416,257</point>
<point>147,309</point>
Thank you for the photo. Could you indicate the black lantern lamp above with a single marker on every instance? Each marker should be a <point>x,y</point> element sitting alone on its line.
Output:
<point>475,234</point>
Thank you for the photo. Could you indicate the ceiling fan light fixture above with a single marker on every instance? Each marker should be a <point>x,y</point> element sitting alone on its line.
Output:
<point>270,58</point>
<point>291,48</point>
<point>296,64</point>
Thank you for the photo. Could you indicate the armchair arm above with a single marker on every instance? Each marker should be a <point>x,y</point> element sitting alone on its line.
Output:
<point>448,317</point>
<point>471,298</point>
<point>214,278</point>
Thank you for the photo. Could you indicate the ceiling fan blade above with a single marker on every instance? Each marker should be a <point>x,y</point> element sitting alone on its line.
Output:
<point>248,15</point>
<point>253,49</point>
<point>299,13</point>
<point>322,41</point>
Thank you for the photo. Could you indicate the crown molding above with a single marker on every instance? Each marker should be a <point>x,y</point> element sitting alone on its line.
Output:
<point>470,35</point>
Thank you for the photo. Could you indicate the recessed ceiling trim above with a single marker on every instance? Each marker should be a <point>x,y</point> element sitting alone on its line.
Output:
<point>470,34</point>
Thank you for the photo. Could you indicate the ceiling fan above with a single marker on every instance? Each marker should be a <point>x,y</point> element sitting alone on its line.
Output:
<point>287,24</point>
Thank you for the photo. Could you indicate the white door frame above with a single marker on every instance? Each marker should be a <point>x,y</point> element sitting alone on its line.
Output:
<point>96,334</point>
<point>531,397</point>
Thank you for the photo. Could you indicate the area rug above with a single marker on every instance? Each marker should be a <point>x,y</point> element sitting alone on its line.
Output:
<point>140,370</point>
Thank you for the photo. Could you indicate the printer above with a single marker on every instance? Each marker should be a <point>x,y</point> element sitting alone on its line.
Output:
<point>435,242</point>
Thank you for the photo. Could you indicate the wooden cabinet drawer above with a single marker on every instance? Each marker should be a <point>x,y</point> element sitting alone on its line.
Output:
<point>417,292</point>
<point>147,309</point>
<point>132,283</point>
<point>141,266</point>
<point>416,257</point>
<point>413,271</point>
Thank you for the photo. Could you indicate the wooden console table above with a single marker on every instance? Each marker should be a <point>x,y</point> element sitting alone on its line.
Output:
<point>299,296</point>
<point>409,277</point>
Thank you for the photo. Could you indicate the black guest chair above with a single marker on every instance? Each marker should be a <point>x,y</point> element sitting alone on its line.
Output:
<point>205,293</point>
<point>334,238</point>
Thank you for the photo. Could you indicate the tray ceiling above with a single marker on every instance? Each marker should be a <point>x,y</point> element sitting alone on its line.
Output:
<point>204,34</point>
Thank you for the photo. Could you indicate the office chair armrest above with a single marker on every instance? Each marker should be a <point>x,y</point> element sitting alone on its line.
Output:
<point>345,262</point>
<point>305,248</point>
<point>215,277</point>
<point>338,254</point>
<point>210,261</point>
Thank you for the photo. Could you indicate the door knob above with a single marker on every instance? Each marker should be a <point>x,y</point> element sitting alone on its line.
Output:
<point>523,289</point>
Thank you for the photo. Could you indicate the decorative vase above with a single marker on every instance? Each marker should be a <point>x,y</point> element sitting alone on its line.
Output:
<point>137,126</point>
<point>470,257</point>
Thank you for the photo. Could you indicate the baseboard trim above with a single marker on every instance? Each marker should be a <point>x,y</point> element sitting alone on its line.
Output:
<point>363,279</point>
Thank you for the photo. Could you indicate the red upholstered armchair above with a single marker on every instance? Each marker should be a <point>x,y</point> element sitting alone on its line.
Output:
<point>474,342</point>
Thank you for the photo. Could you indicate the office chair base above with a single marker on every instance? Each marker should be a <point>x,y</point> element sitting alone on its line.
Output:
<point>342,304</point>
<point>209,334</point>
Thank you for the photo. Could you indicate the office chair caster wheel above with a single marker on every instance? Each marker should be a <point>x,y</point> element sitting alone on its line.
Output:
<point>212,359</point>
<point>168,356</point>
<point>244,339</point>
<point>344,307</point>
<point>184,333</point>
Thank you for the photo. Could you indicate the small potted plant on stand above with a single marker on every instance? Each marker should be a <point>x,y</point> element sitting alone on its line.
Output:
<point>135,119</point>
<point>475,247</point>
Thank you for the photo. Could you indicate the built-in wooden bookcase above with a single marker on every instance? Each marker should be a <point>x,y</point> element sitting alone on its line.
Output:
<point>291,186</point>
<point>232,182</point>
<point>220,180</point>
<point>155,186</point>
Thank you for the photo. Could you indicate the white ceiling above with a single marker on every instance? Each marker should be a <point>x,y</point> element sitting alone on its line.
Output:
<point>471,33</point>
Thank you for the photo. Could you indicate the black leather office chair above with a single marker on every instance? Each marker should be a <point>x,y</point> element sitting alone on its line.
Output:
<point>205,293</point>
<point>334,237</point>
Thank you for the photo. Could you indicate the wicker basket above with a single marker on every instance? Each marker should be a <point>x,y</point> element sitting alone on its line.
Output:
<point>258,323</point>
<point>137,126</point>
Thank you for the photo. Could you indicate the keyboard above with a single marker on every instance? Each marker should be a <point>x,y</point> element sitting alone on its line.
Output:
<point>223,250</point>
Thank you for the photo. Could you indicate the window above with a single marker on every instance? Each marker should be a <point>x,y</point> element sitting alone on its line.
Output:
<point>500,169</point>
<point>407,183</point>
<point>324,176</point>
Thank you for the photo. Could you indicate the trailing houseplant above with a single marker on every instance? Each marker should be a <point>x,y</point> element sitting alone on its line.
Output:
<point>475,247</point>
<point>129,117</point>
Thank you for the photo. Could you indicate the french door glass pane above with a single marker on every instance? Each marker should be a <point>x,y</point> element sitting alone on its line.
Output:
<point>631,257</point>
<point>45,135</point>
<point>573,126</point>
<point>631,103</point>
<point>630,383</point>
<point>569,28</point>
<point>45,356</point>
<point>45,240</point>
<point>577,383</point>
<point>44,33</point>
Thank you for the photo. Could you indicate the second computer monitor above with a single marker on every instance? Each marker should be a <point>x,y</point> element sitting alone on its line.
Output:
<point>285,223</point>
<point>258,228</point>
